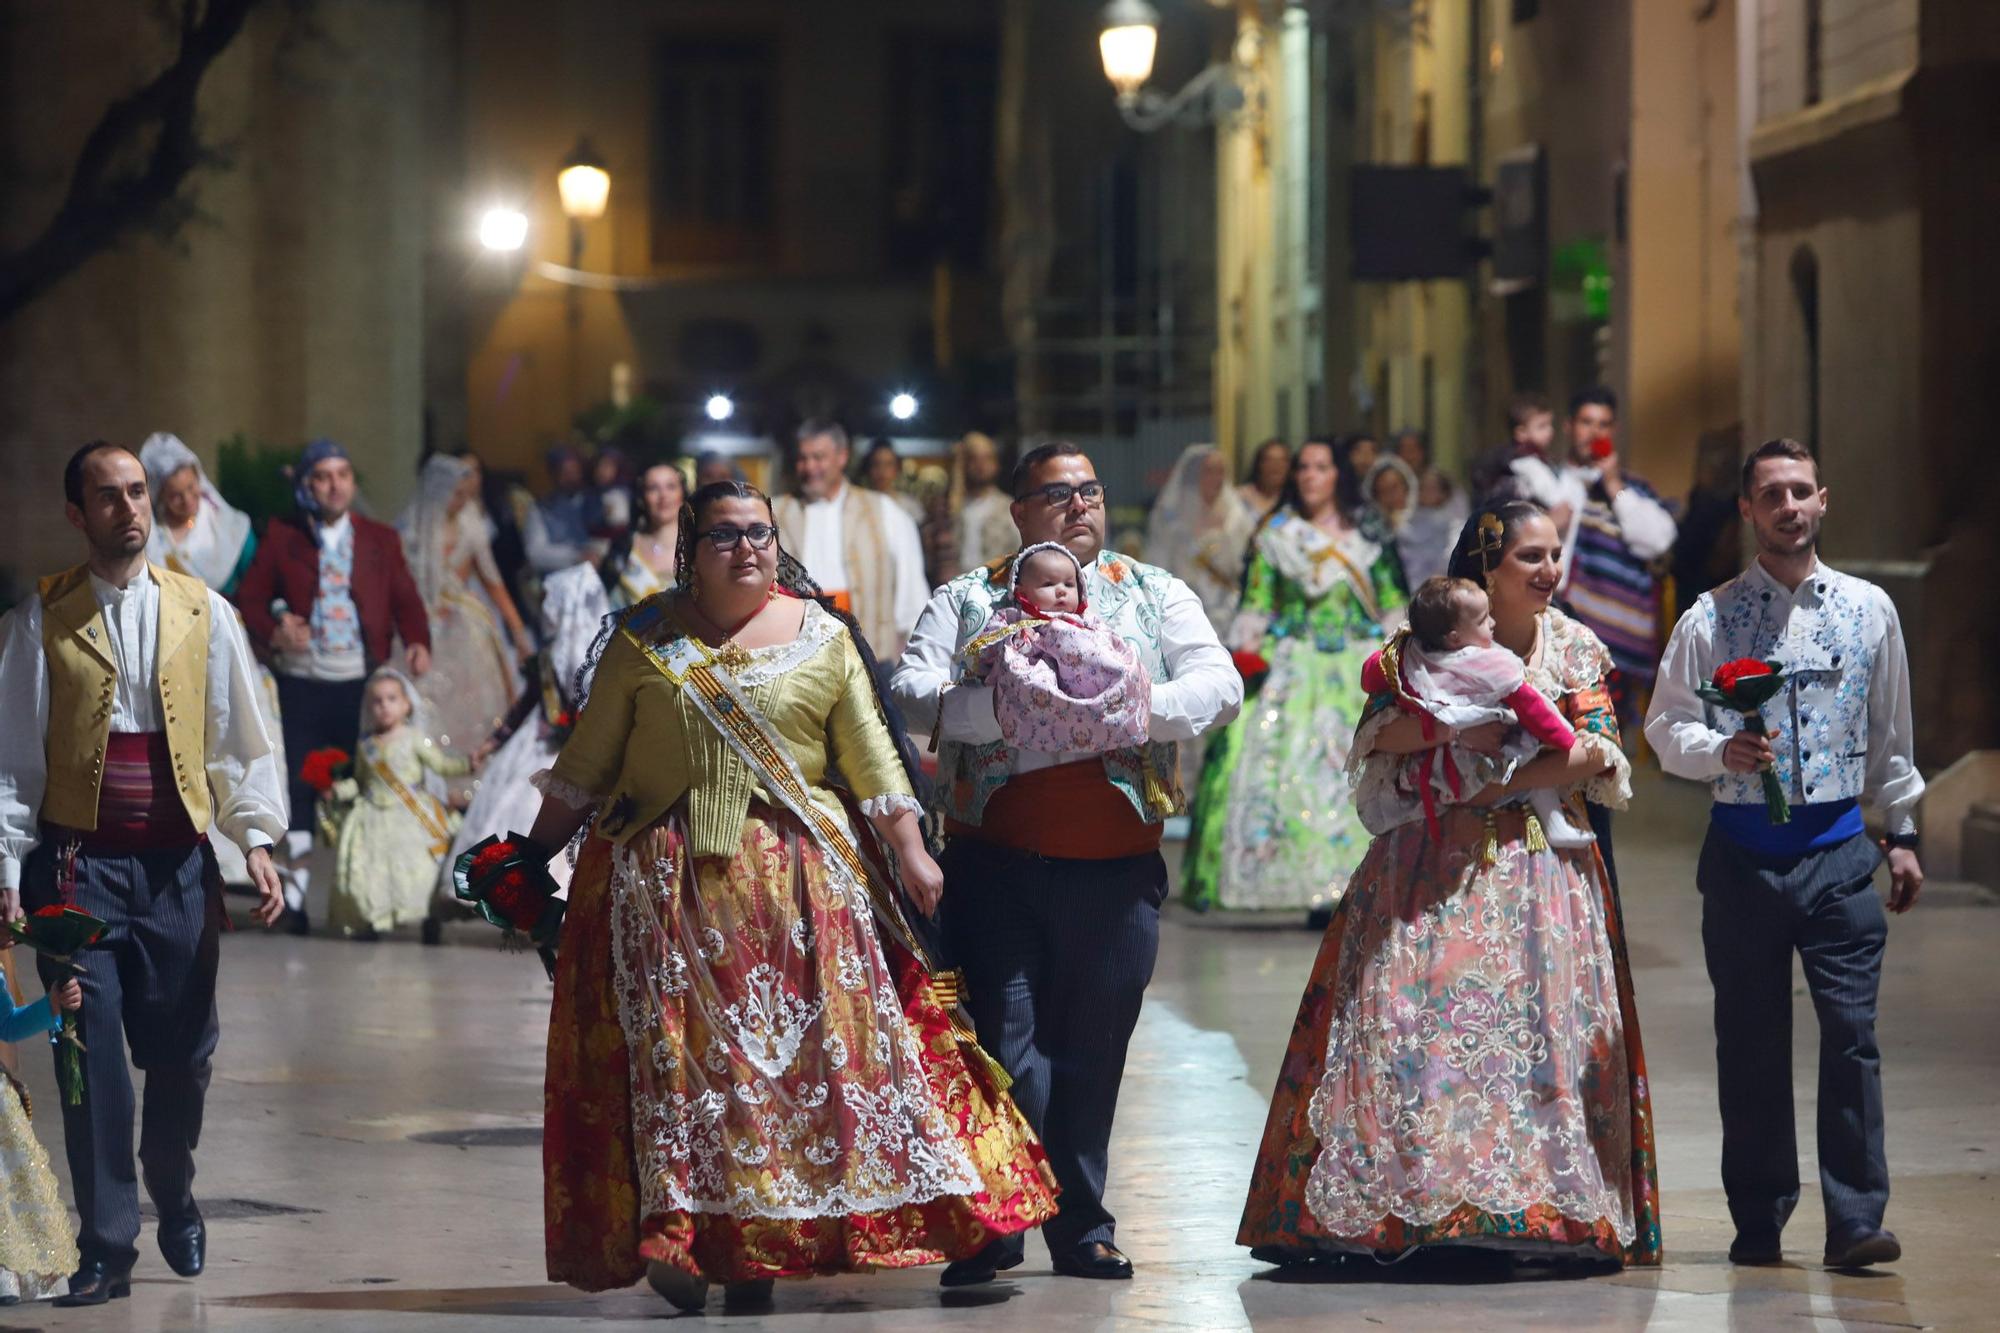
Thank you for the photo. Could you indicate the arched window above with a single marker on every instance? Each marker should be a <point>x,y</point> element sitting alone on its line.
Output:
<point>1805,299</point>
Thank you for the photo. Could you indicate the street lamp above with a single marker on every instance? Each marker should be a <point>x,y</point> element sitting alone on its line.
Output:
<point>1127,44</point>
<point>583,183</point>
<point>903,406</point>
<point>719,407</point>
<point>503,230</point>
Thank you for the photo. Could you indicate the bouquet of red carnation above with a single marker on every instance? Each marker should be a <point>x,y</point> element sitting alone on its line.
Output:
<point>1745,686</point>
<point>1250,664</point>
<point>507,881</point>
<point>323,768</point>
<point>59,934</point>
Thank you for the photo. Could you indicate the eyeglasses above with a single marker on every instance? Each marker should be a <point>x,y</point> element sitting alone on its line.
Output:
<point>724,536</point>
<point>1058,494</point>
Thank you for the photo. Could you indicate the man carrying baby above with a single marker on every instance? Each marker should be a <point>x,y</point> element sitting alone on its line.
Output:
<point>1053,875</point>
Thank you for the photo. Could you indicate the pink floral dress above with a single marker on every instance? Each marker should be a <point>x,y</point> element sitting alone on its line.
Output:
<point>1063,684</point>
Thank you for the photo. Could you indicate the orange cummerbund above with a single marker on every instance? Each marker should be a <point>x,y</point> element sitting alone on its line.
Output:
<point>1069,812</point>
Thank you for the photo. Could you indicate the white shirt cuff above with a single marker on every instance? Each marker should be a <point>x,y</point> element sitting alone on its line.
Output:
<point>256,838</point>
<point>10,874</point>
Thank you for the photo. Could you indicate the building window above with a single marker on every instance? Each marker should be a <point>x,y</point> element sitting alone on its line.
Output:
<point>714,150</point>
<point>943,89</point>
<point>1805,295</point>
<point>1815,48</point>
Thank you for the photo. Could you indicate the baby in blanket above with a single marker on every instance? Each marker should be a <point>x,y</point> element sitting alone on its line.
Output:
<point>1064,684</point>
<point>1450,670</point>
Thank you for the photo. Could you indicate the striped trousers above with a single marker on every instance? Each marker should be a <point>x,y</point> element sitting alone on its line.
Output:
<point>1755,915</point>
<point>1056,955</point>
<point>151,980</point>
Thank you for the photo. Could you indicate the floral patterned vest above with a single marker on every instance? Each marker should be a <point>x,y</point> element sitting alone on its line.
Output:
<point>1826,641</point>
<point>1130,598</point>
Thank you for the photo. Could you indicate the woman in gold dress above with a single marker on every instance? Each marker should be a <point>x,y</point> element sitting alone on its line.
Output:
<point>751,1073</point>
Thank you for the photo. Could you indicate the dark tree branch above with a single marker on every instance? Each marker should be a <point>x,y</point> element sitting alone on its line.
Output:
<point>130,172</point>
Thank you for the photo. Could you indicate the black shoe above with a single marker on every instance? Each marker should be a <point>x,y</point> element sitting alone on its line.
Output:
<point>1864,1250</point>
<point>747,1297</point>
<point>995,1258</point>
<point>95,1283</point>
<point>683,1290</point>
<point>1096,1259</point>
<point>1753,1250</point>
<point>294,922</point>
<point>365,934</point>
<point>184,1243</point>
<point>433,933</point>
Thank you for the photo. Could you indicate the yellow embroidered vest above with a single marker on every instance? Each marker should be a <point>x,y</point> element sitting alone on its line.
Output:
<point>83,675</point>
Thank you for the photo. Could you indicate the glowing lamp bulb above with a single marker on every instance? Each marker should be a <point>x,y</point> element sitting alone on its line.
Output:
<point>718,407</point>
<point>903,406</point>
<point>503,229</point>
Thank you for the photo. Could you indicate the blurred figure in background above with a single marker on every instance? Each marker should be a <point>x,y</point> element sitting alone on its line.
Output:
<point>610,493</point>
<point>882,472</point>
<point>982,520</point>
<point>642,562</point>
<point>1269,467</point>
<point>196,532</point>
<point>858,546</point>
<point>558,528</point>
<point>1389,494</point>
<point>1426,537</point>
<point>712,466</point>
<point>474,672</point>
<point>1520,468</point>
<point>1199,528</point>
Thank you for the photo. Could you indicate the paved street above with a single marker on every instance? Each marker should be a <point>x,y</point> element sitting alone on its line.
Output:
<point>370,1158</point>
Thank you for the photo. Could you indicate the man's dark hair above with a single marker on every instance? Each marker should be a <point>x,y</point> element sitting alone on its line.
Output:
<point>1525,407</point>
<point>814,427</point>
<point>73,470</point>
<point>1034,458</point>
<point>1434,609</point>
<point>1780,448</point>
<point>1596,393</point>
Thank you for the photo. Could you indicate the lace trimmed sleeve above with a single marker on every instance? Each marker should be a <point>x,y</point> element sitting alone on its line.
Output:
<point>1574,665</point>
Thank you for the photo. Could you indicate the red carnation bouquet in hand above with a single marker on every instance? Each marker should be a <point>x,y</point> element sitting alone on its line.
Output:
<point>1250,665</point>
<point>1745,686</point>
<point>323,768</point>
<point>59,934</point>
<point>507,881</point>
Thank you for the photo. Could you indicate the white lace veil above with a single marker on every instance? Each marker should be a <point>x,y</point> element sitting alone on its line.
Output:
<point>574,605</point>
<point>427,521</point>
<point>163,456</point>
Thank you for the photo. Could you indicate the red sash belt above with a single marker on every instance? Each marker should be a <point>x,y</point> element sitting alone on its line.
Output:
<point>139,806</point>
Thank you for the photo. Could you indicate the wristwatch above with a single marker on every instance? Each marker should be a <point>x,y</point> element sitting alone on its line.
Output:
<point>1907,841</point>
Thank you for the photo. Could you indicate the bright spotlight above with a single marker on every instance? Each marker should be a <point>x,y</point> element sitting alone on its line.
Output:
<point>503,229</point>
<point>719,407</point>
<point>903,406</point>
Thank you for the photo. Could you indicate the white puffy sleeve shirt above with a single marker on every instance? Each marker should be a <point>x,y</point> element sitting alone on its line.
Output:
<point>246,785</point>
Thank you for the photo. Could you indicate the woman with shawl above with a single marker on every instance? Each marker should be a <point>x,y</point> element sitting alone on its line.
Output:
<point>1198,529</point>
<point>1466,1069</point>
<point>473,676</point>
<point>1272,824</point>
<point>195,531</point>
<point>752,1073</point>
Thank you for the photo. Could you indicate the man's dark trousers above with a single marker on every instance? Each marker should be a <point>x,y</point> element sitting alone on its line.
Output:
<point>1057,954</point>
<point>1756,912</point>
<point>316,714</point>
<point>151,980</point>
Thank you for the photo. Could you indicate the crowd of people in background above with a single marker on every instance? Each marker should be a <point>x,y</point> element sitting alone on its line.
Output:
<point>1302,561</point>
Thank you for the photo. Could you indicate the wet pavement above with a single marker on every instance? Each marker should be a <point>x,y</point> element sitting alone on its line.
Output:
<point>370,1159</point>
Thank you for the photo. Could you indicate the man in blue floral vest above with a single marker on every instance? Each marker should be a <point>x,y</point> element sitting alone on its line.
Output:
<point>1839,735</point>
<point>1053,876</point>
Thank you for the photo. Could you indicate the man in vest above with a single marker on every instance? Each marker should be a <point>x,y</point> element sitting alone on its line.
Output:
<point>1839,735</point>
<point>1053,876</point>
<point>134,723</point>
<point>858,545</point>
<point>328,593</point>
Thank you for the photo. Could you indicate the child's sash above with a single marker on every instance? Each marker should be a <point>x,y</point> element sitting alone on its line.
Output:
<point>424,808</point>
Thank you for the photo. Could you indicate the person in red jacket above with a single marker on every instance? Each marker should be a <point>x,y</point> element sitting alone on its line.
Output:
<point>326,597</point>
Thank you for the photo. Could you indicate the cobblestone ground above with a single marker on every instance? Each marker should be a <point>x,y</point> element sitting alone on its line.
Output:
<point>370,1160</point>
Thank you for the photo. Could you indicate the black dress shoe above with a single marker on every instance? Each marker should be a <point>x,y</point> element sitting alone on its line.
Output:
<point>95,1283</point>
<point>992,1260</point>
<point>1750,1250</point>
<point>1094,1259</point>
<point>1864,1250</point>
<point>433,931</point>
<point>184,1244</point>
<point>294,922</point>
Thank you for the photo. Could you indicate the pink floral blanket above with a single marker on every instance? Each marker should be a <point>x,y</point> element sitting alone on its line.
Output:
<point>1062,684</point>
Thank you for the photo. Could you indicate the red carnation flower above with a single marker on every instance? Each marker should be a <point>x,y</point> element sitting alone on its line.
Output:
<point>321,768</point>
<point>1249,663</point>
<point>53,909</point>
<point>1729,673</point>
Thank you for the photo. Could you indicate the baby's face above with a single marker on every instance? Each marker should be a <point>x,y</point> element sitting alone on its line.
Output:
<point>1048,582</point>
<point>1475,623</point>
